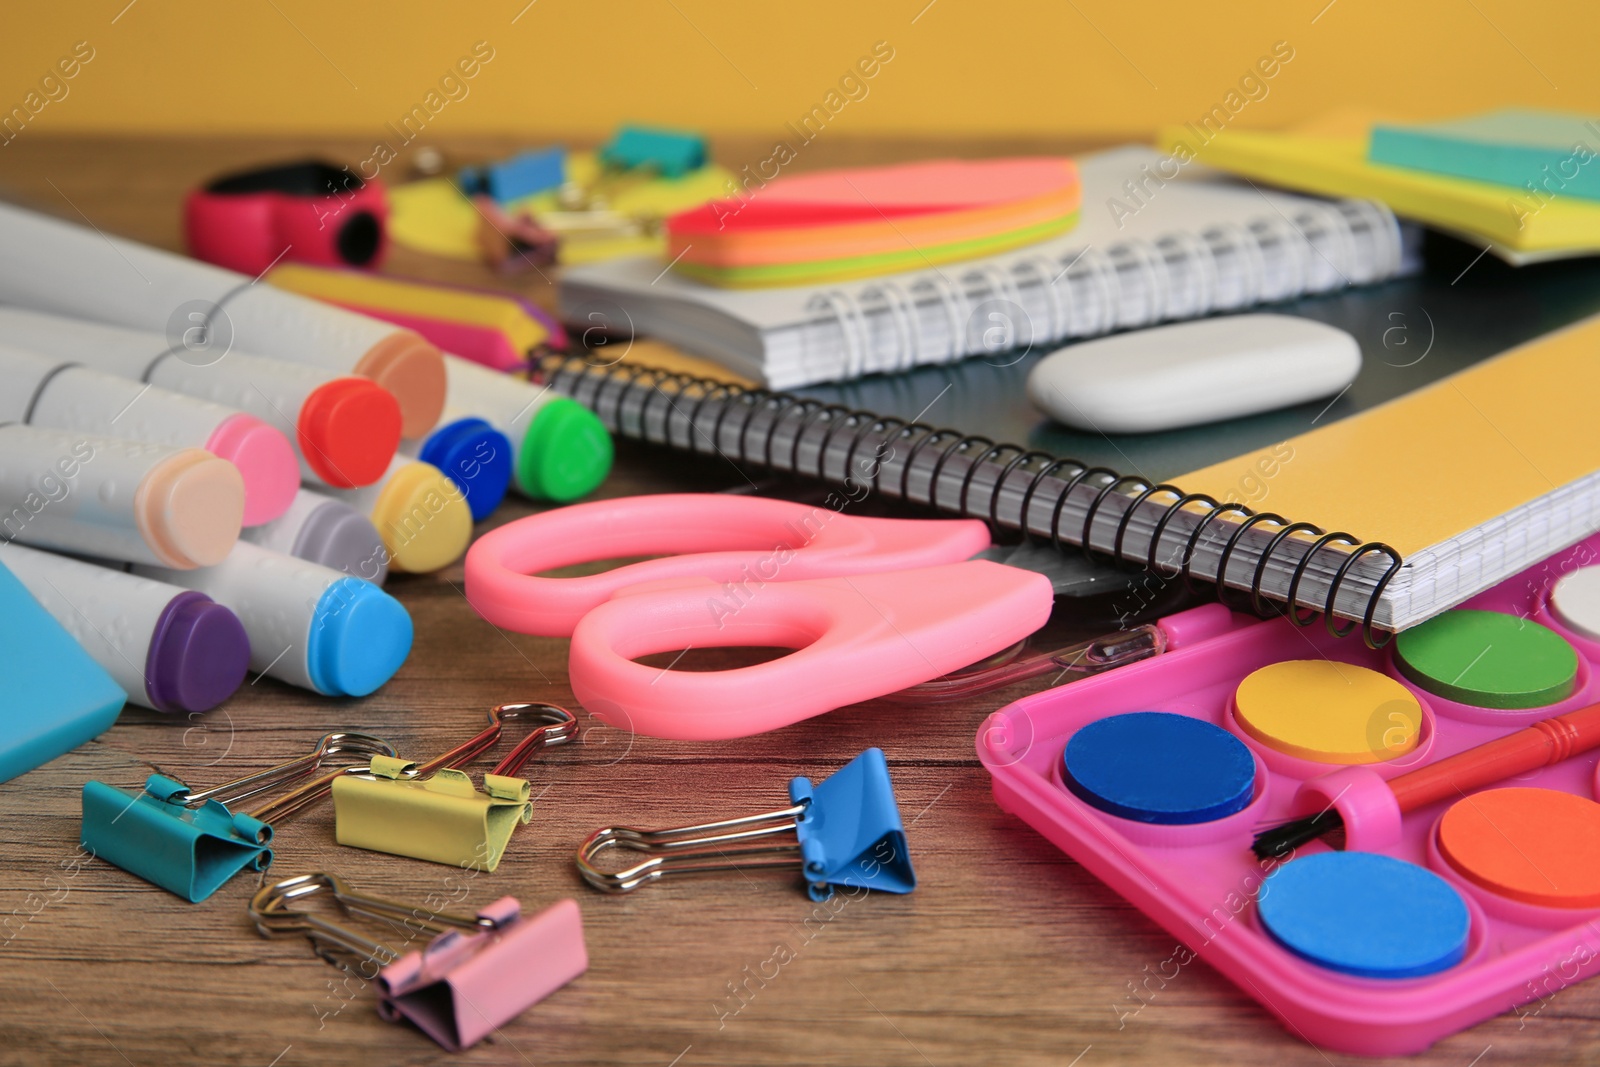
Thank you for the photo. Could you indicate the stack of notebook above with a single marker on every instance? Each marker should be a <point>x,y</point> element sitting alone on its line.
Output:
<point>1462,453</point>
<point>1521,183</point>
<point>1155,243</point>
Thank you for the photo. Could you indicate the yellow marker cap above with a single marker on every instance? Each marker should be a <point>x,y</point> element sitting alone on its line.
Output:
<point>423,519</point>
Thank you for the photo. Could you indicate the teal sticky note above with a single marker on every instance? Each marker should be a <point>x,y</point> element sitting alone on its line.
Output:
<point>1557,152</point>
<point>55,696</point>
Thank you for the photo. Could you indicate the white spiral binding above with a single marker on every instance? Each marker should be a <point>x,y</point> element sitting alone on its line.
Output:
<point>907,330</point>
<point>1222,268</point>
<point>1045,270</point>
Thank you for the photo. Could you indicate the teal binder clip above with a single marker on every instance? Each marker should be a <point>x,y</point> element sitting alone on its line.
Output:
<point>846,830</point>
<point>190,842</point>
<point>57,696</point>
<point>671,153</point>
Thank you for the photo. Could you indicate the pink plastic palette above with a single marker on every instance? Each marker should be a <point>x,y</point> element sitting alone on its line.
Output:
<point>1201,881</point>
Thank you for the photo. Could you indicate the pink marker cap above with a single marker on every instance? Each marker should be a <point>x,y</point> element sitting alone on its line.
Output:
<point>265,460</point>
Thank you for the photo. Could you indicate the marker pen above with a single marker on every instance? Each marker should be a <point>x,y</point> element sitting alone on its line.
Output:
<point>51,392</point>
<point>420,514</point>
<point>125,500</point>
<point>171,649</point>
<point>59,266</point>
<point>309,626</point>
<point>562,450</point>
<point>320,529</point>
<point>344,428</point>
<point>472,454</point>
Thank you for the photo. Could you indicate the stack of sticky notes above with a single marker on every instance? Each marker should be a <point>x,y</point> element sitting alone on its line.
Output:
<point>1525,183</point>
<point>826,226</point>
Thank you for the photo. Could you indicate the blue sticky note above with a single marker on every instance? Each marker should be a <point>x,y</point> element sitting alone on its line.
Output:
<point>56,695</point>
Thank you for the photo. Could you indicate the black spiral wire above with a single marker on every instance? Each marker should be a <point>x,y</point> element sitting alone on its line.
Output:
<point>611,391</point>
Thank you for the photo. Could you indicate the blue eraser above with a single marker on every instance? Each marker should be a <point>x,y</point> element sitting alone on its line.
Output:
<point>522,175</point>
<point>1365,914</point>
<point>476,457</point>
<point>56,696</point>
<point>1159,767</point>
<point>673,153</point>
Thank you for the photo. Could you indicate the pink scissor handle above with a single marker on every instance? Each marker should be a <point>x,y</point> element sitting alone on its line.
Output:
<point>750,542</point>
<point>858,637</point>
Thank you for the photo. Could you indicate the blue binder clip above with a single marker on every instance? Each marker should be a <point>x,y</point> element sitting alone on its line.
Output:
<point>190,842</point>
<point>522,175</point>
<point>670,153</point>
<point>846,830</point>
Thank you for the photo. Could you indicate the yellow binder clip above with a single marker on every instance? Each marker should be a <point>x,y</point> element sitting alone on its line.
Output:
<point>431,811</point>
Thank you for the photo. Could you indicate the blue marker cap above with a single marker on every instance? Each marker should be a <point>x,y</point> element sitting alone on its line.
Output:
<point>359,637</point>
<point>477,458</point>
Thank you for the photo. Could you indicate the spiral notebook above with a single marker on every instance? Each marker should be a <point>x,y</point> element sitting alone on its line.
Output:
<point>1451,461</point>
<point>1149,249</point>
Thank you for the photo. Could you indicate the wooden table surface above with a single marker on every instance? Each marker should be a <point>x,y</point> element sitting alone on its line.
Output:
<point>1007,953</point>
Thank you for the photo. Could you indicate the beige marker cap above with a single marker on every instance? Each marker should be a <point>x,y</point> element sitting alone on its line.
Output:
<point>189,508</point>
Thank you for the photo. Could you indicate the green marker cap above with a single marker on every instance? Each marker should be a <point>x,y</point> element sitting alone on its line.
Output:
<point>565,453</point>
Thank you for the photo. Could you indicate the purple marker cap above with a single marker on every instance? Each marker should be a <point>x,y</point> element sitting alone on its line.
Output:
<point>198,655</point>
<point>336,535</point>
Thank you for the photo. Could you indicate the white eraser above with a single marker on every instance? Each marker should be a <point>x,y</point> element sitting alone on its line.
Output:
<point>1189,373</point>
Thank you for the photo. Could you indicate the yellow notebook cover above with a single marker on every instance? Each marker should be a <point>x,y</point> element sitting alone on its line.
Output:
<point>1433,464</point>
<point>1330,160</point>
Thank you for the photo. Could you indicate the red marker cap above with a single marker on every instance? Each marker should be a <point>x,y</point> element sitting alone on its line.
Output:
<point>349,429</point>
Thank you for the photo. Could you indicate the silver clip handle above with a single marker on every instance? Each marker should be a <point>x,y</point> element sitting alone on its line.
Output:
<point>729,845</point>
<point>273,917</point>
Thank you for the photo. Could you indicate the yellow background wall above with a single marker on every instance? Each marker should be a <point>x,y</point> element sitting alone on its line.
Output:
<point>1064,68</point>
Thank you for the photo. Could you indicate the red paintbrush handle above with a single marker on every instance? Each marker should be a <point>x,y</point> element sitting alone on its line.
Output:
<point>1539,745</point>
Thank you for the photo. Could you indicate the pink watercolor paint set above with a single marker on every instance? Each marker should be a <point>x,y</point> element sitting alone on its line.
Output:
<point>1444,904</point>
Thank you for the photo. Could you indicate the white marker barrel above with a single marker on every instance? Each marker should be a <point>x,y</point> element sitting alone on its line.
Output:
<point>53,392</point>
<point>561,449</point>
<point>309,625</point>
<point>345,429</point>
<point>323,530</point>
<point>59,266</point>
<point>171,649</point>
<point>124,500</point>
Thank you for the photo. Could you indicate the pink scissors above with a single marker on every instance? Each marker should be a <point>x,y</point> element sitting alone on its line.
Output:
<point>871,605</point>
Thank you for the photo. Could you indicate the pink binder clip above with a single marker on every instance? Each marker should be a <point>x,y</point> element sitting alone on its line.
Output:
<point>477,974</point>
